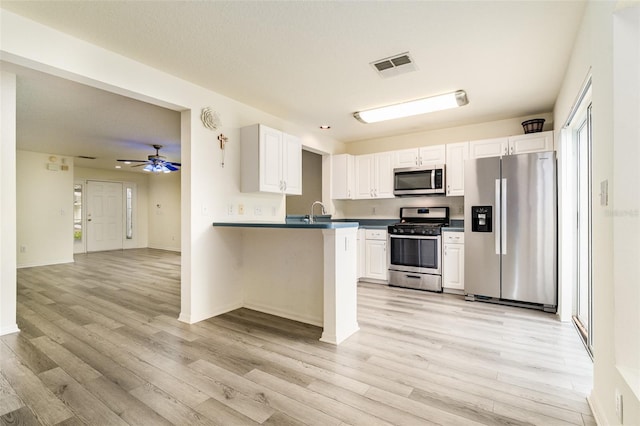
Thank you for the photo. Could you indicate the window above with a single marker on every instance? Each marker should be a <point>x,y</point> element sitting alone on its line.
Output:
<point>77,212</point>
<point>129,212</point>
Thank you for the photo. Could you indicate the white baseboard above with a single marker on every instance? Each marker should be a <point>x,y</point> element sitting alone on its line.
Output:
<point>193,318</point>
<point>9,329</point>
<point>167,248</point>
<point>271,310</point>
<point>596,411</point>
<point>45,263</point>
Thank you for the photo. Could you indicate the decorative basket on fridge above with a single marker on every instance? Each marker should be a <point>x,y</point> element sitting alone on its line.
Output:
<point>533,126</point>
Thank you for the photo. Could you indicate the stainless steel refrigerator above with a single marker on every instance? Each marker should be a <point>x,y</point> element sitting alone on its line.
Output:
<point>510,230</point>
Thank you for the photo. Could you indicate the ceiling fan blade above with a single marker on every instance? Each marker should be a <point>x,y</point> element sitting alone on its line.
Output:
<point>174,163</point>
<point>140,165</point>
<point>171,166</point>
<point>133,161</point>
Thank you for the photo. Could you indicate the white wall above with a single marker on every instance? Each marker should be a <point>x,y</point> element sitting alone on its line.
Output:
<point>8,204</point>
<point>141,181</point>
<point>286,274</point>
<point>593,51</point>
<point>44,208</point>
<point>210,271</point>
<point>164,211</point>
<point>490,129</point>
<point>626,190</point>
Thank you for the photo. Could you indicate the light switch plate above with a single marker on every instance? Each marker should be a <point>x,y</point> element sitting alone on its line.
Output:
<point>604,192</point>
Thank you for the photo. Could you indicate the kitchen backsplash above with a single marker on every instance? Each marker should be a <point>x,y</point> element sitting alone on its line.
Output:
<point>390,208</point>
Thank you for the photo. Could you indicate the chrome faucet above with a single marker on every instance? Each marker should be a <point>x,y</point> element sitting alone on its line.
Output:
<point>312,218</point>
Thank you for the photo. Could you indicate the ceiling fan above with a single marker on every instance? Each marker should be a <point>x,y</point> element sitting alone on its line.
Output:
<point>155,163</point>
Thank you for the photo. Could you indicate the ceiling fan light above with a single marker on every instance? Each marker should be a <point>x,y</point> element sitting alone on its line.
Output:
<point>148,168</point>
<point>410,108</point>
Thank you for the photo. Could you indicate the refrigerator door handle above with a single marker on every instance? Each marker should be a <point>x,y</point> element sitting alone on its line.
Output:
<point>497,217</point>
<point>503,215</point>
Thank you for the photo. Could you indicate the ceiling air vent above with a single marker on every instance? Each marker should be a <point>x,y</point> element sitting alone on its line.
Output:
<point>395,65</point>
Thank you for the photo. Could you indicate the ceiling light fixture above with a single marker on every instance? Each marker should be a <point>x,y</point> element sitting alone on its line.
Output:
<point>325,127</point>
<point>410,108</point>
<point>157,168</point>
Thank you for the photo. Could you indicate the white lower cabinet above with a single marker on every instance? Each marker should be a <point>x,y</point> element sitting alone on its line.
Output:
<point>375,255</point>
<point>453,262</point>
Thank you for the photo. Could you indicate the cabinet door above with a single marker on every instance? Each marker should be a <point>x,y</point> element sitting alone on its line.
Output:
<point>341,177</point>
<point>270,160</point>
<point>405,158</point>
<point>291,165</point>
<point>432,155</point>
<point>383,176</point>
<point>457,154</point>
<point>532,142</point>
<point>364,176</point>
<point>453,266</point>
<point>376,259</point>
<point>488,148</point>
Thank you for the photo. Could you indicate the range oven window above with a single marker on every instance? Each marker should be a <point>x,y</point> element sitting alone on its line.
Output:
<point>417,252</point>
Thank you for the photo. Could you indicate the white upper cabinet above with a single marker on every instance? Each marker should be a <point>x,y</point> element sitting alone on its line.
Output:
<point>457,154</point>
<point>417,157</point>
<point>271,161</point>
<point>342,177</point>
<point>374,176</point>
<point>521,144</point>
<point>488,148</point>
<point>531,142</point>
<point>292,164</point>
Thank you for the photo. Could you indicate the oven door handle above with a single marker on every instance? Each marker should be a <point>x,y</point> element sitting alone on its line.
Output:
<point>415,237</point>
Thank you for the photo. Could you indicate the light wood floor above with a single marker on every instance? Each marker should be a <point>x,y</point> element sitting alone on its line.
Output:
<point>100,345</point>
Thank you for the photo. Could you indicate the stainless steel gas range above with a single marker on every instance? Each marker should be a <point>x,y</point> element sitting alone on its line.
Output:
<point>415,255</point>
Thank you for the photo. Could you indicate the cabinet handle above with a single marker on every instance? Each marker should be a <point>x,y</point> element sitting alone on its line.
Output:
<point>506,150</point>
<point>511,149</point>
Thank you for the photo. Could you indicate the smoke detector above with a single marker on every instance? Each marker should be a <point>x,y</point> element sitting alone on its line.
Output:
<point>394,65</point>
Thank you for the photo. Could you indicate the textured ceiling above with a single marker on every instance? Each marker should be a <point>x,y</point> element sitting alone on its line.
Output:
<point>308,61</point>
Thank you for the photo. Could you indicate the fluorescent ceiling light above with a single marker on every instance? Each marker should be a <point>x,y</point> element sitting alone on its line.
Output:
<point>420,106</point>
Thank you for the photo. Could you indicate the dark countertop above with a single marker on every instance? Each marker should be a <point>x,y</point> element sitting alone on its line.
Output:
<point>362,223</point>
<point>298,225</point>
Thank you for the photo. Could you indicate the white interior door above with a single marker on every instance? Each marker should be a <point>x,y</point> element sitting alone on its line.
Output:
<point>104,216</point>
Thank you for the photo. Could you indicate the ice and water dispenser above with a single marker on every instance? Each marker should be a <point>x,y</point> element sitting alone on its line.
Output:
<point>481,218</point>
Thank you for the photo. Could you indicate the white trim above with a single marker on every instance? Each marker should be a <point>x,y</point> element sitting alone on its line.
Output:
<point>284,313</point>
<point>48,263</point>
<point>9,330</point>
<point>192,319</point>
<point>596,410</point>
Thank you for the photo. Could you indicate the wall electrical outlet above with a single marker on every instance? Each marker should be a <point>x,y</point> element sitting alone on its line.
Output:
<point>257,211</point>
<point>23,249</point>
<point>240,208</point>
<point>619,406</point>
<point>230,210</point>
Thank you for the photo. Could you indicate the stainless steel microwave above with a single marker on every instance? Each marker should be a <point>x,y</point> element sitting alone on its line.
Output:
<point>419,180</point>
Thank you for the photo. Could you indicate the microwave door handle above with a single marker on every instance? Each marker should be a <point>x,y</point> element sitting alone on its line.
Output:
<point>433,179</point>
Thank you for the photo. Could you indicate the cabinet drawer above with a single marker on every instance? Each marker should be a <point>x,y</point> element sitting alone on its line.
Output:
<point>453,237</point>
<point>375,234</point>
